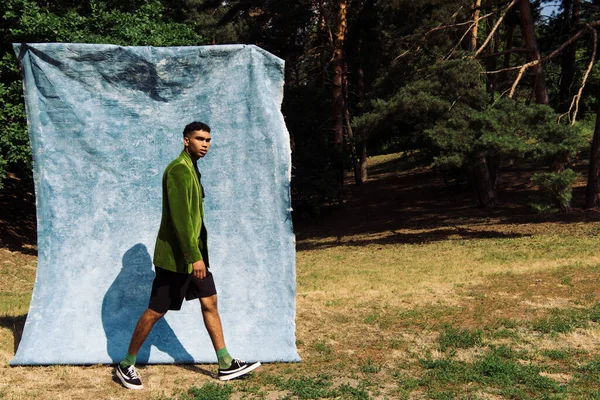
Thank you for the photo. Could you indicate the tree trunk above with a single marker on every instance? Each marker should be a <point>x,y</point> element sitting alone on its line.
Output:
<point>361,141</point>
<point>355,56</point>
<point>338,92</point>
<point>483,185</point>
<point>592,195</point>
<point>571,15</point>
<point>351,144</point>
<point>510,29</point>
<point>491,61</point>
<point>484,171</point>
<point>363,160</point>
<point>492,162</point>
<point>528,29</point>
<point>320,44</point>
<point>473,35</point>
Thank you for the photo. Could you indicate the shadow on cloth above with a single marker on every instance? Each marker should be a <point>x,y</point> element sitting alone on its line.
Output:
<point>124,302</point>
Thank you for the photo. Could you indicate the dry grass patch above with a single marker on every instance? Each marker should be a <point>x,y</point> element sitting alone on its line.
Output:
<point>400,295</point>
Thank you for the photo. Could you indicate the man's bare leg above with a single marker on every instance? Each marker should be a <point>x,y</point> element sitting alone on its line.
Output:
<point>212,321</point>
<point>126,371</point>
<point>228,367</point>
<point>145,324</point>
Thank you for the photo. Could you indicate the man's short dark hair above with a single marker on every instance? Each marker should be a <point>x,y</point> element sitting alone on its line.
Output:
<point>195,126</point>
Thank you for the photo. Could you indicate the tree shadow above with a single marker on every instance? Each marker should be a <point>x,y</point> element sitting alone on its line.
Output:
<point>435,235</point>
<point>18,225</point>
<point>124,302</point>
<point>417,205</point>
<point>15,324</point>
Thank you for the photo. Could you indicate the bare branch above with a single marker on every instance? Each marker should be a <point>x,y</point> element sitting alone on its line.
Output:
<point>587,73</point>
<point>568,112</point>
<point>501,53</point>
<point>491,34</point>
<point>473,23</point>
<point>459,24</point>
<point>440,27</point>
<point>556,52</point>
<point>516,82</point>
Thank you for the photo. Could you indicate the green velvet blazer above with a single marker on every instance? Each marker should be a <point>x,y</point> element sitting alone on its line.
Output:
<point>182,237</point>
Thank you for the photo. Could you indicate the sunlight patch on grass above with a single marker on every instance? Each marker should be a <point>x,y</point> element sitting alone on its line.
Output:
<point>394,270</point>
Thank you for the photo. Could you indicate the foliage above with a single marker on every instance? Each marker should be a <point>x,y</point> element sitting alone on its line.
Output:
<point>557,186</point>
<point>14,143</point>
<point>446,111</point>
<point>143,24</point>
<point>95,22</point>
<point>313,177</point>
<point>413,83</point>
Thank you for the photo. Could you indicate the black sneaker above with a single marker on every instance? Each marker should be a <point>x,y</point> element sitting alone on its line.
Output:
<point>237,369</point>
<point>129,377</point>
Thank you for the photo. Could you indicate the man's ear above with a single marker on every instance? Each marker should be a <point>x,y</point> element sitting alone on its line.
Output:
<point>186,141</point>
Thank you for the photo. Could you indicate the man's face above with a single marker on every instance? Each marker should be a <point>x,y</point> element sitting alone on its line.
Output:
<point>197,143</point>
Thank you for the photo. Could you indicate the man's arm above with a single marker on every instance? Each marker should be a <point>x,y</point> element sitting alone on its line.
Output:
<point>179,192</point>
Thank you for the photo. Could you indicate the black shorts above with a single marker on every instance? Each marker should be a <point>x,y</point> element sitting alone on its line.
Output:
<point>170,288</point>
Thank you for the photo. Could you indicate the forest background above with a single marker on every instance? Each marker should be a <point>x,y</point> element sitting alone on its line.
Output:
<point>468,86</point>
<point>459,264</point>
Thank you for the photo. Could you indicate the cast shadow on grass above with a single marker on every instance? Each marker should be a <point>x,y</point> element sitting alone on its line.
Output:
<point>420,199</point>
<point>188,367</point>
<point>15,324</point>
<point>197,369</point>
<point>413,238</point>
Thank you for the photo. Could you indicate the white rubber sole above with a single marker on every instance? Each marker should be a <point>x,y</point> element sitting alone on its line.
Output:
<point>237,374</point>
<point>125,383</point>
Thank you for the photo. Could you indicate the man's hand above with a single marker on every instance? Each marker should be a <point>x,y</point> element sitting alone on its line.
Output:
<point>199,269</point>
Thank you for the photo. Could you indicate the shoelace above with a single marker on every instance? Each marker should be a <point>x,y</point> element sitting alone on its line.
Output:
<point>131,371</point>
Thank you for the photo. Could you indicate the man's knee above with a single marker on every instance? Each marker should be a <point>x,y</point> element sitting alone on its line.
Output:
<point>209,304</point>
<point>152,315</point>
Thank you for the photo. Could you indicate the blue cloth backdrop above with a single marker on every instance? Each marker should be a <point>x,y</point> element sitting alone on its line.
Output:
<point>104,121</point>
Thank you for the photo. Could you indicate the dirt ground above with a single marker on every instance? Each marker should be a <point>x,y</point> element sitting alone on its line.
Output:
<point>430,257</point>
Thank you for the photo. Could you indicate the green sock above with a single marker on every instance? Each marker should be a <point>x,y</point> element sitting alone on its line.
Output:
<point>129,360</point>
<point>224,358</point>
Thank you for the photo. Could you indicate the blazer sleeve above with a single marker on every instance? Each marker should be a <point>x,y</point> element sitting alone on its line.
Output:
<point>180,197</point>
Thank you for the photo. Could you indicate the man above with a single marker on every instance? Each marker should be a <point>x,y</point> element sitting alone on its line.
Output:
<point>181,260</point>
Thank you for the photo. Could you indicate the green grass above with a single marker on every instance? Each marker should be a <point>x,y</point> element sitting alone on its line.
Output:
<point>208,391</point>
<point>14,303</point>
<point>451,337</point>
<point>370,367</point>
<point>323,347</point>
<point>499,371</point>
<point>435,303</point>
<point>306,387</point>
<point>564,320</point>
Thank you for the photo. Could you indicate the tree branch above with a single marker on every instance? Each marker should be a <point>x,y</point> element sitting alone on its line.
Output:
<point>501,53</point>
<point>440,27</point>
<point>556,52</point>
<point>473,23</point>
<point>577,97</point>
<point>519,76</point>
<point>491,34</point>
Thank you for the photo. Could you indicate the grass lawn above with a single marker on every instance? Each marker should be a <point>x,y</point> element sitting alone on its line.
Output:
<point>407,292</point>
